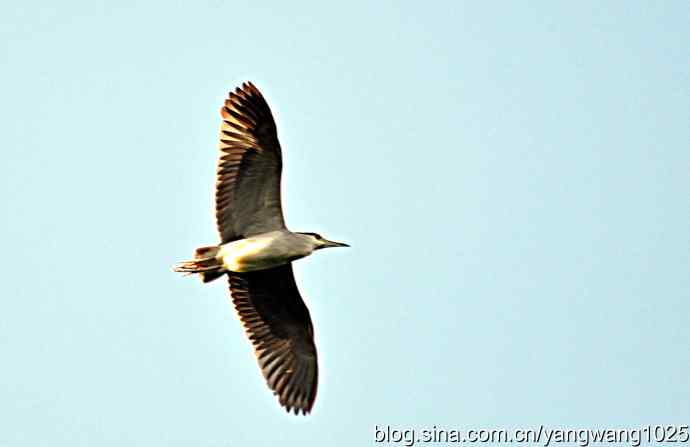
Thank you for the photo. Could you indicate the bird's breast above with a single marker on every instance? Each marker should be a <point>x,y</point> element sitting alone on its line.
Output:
<point>246,255</point>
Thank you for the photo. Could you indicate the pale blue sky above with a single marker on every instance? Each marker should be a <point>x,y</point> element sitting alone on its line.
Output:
<point>513,179</point>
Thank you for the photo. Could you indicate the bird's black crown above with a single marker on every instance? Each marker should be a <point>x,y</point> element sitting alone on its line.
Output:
<point>315,235</point>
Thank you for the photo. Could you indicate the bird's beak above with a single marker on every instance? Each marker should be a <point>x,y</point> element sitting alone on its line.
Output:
<point>334,244</point>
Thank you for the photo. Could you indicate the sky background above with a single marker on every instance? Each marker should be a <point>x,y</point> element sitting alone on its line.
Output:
<point>512,177</point>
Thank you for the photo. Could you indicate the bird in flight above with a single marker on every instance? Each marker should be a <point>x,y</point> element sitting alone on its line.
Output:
<point>256,250</point>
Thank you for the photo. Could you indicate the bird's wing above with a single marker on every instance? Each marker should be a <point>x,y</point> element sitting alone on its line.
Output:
<point>278,324</point>
<point>249,169</point>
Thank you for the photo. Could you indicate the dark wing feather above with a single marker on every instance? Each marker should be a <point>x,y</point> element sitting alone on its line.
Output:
<point>249,169</point>
<point>278,324</point>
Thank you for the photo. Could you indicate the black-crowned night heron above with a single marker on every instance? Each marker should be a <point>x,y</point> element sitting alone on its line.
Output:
<point>257,250</point>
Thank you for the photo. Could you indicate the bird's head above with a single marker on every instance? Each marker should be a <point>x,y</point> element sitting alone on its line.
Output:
<point>320,242</point>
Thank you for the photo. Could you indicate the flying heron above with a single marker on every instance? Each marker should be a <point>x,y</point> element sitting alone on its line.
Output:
<point>257,250</point>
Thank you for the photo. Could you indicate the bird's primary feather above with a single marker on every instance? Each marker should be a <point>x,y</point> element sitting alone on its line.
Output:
<point>249,168</point>
<point>280,329</point>
<point>248,203</point>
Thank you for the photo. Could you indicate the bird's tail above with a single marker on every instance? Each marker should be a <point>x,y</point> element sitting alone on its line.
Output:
<point>206,263</point>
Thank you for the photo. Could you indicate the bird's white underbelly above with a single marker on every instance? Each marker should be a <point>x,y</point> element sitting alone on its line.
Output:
<point>249,254</point>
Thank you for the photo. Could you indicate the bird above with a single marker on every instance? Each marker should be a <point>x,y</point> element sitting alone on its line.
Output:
<point>256,250</point>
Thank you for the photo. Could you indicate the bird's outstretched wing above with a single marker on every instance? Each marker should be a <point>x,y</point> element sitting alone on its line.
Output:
<point>278,324</point>
<point>249,169</point>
